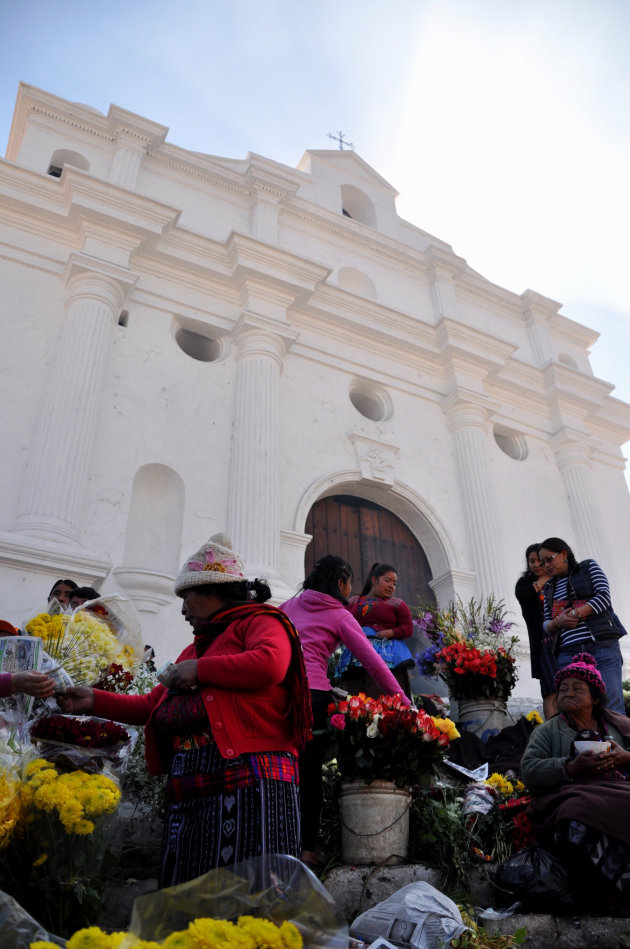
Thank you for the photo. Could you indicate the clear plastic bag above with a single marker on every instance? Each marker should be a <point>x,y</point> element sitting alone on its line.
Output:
<point>119,613</point>
<point>275,886</point>
<point>18,929</point>
<point>110,760</point>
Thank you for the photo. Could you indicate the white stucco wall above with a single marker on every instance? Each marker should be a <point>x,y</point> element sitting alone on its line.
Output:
<point>303,304</point>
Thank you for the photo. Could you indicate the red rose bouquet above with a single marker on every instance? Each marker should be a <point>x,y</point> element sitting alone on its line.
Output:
<point>382,738</point>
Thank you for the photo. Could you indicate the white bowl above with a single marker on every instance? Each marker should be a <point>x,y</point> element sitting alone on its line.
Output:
<point>595,746</point>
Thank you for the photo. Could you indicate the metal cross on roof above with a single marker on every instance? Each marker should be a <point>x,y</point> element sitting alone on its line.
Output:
<point>339,138</point>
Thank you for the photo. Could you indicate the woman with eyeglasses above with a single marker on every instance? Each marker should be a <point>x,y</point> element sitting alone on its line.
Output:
<point>579,617</point>
<point>529,593</point>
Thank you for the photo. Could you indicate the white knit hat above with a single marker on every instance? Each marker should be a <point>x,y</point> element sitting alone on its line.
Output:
<point>215,562</point>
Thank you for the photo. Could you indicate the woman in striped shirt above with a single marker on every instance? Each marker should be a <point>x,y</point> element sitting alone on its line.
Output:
<point>578,614</point>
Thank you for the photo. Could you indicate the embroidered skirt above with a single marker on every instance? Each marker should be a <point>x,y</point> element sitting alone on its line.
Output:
<point>221,812</point>
<point>608,855</point>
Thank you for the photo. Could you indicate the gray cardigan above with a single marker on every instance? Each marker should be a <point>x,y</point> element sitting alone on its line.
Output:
<point>549,748</point>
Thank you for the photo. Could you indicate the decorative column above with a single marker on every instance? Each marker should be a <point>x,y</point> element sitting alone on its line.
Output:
<point>53,492</point>
<point>467,416</point>
<point>134,137</point>
<point>538,311</point>
<point>573,462</point>
<point>253,500</point>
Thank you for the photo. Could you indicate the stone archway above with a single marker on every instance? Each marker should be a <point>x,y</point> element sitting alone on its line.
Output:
<point>362,532</point>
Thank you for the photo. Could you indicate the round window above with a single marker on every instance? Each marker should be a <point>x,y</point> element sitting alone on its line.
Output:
<point>512,445</point>
<point>197,346</point>
<point>371,401</point>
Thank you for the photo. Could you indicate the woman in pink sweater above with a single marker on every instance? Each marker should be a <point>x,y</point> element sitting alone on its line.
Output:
<point>320,616</point>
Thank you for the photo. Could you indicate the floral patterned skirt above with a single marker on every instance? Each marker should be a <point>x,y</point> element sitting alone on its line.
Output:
<point>221,812</point>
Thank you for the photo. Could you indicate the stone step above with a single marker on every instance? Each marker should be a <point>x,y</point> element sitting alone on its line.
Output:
<point>356,889</point>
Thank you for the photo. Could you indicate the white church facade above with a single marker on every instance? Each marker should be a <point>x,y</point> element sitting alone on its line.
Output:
<point>194,344</point>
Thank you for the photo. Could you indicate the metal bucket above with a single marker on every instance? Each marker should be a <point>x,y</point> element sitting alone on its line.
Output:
<point>374,823</point>
<point>484,717</point>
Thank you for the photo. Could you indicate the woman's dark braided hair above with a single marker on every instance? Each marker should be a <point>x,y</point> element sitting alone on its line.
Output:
<point>238,591</point>
<point>326,574</point>
<point>376,570</point>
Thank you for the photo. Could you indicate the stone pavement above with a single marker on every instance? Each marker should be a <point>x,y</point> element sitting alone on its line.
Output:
<point>355,889</point>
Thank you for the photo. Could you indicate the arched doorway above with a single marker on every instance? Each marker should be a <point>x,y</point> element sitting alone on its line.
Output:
<point>363,532</point>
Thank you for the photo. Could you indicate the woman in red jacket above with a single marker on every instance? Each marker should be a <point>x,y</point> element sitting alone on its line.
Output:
<point>227,725</point>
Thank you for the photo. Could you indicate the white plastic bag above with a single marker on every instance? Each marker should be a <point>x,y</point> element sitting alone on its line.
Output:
<point>415,917</point>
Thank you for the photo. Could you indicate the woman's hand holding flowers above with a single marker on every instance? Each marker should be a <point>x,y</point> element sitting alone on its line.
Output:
<point>77,699</point>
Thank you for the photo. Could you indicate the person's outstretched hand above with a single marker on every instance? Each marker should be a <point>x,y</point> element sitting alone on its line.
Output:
<point>76,699</point>
<point>33,683</point>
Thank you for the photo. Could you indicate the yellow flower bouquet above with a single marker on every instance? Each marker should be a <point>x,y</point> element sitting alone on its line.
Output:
<point>82,645</point>
<point>248,932</point>
<point>56,842</point>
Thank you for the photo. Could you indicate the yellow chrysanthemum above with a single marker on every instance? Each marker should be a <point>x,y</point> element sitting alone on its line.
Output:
<point>38,861</point>
<point>266,934</point>
<point>10,808</point>
<point>500,784</point>
<point>211,933</point>
<point>77,798</point>
<point>82,644</point>
<point>178,940</point>
<point>535,717</point>
<point>291,935</point>
<point>92,938</point>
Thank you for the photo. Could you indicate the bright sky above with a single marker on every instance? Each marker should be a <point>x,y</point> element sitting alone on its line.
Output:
<point>504,124</point>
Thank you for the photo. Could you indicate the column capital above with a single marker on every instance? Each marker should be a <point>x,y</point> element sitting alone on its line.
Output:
<point>463,407</point>
<point>87,276</point>
<point>453,584</point>
<point>570,448</point>
<point>259,335</point>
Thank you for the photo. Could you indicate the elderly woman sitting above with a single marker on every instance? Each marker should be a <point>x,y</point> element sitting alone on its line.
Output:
<point>582,799</point>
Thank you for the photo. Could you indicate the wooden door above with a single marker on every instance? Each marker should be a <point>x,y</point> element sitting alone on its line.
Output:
<point>363,532</point>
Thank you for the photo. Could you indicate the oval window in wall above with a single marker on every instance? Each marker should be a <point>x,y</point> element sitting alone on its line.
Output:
<point>371,400</point>
<point>355,281</point>
<point>511,443</point>
<point>199,341</point>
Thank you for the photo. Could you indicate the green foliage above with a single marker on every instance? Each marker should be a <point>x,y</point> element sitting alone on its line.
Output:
<point>330,820</point>
<point>143,792</point>
<point>440,837</point>
<point>480,939</point>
